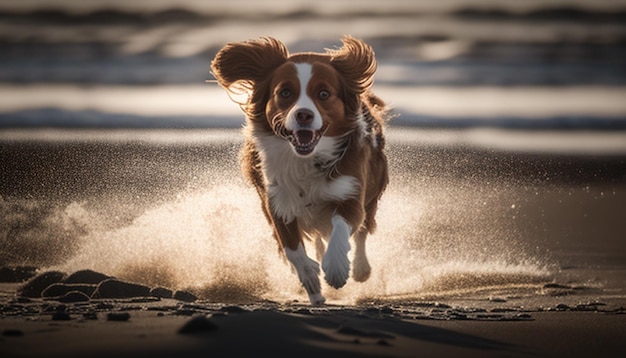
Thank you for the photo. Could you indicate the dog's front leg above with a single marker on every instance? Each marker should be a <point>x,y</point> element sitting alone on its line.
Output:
<point>335,263</point>
<point>307,269</point>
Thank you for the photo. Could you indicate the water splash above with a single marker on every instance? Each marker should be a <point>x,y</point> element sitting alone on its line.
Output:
<point>38,233</point>
<point>435,236</point>
<point>196,239</point>
<point>217,243</point>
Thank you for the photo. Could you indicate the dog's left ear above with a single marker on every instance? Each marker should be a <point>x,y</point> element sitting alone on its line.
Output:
<point>240,66</point>
<point>356,63</point>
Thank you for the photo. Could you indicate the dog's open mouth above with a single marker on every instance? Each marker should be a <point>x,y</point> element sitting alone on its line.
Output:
<point>305,140</point>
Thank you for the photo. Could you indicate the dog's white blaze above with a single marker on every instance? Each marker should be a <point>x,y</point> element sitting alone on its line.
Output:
<point>295,184</point>
<point>308,271</point>
<point>335,263</point>
<point>304,71</point>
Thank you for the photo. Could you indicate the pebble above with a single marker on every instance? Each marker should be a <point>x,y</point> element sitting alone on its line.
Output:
<point>36,285</point>
<point>74,296</point>
<point>118,316</point>
<point>185,296</point>
<point>62,289</point>
<point>197,324</point>
<point>113,288</point>
<point>86,277</point>
<point>233,309</point>
<point>12,333</point>
<point>61,316</point>
<point>161,292</point>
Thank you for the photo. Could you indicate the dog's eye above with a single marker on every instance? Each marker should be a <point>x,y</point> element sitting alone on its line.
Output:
<point>324,94</point>
<point>285,93</point>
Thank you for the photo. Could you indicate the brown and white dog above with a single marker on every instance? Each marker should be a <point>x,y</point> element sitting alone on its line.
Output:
<point>314,149</point>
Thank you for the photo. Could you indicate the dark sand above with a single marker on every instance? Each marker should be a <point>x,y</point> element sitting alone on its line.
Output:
<point>514,253</point>
<point>153,330</point>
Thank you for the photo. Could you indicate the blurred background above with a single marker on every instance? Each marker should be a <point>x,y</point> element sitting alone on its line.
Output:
<point>507,149</point>
<point>547,64</point>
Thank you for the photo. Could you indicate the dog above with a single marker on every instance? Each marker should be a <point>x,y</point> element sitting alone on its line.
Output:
<point>314,149</point>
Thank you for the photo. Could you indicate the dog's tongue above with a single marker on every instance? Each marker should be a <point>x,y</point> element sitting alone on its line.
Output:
<point>304,136</point>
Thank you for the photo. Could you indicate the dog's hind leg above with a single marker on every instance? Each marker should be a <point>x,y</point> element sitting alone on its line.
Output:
<point>361,268</point>
<point>320,248</point>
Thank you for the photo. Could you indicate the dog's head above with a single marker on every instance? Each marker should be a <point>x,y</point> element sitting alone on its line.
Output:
<point>301,96</point>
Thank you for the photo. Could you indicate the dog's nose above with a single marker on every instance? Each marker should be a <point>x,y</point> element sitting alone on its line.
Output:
<point>304,116</point>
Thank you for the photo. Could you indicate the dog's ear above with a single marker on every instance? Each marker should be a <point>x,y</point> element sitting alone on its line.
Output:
<point>239,66</point>
<point>356,63</point>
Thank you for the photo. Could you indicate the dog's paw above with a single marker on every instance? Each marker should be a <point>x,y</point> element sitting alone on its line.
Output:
<point>337,275</point>
<point>308,273</point>
<point>317,299</point>
<point>336,266</point>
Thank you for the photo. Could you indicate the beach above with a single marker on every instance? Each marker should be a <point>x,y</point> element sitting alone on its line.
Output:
<point>333,331</point>
<point>126,228</point>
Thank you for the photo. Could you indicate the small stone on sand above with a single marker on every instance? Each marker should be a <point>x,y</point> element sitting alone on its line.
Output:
<point>118,316</point>
<point>185,296</point>
<point>161,292</point>
<point>12,333</point>
<point>35,286</point>
<point>86,277</point>
<point>61,289</point>
<point>233,309</point>
<point>197,324</point>
<point>74,296</point>
<point>113,288</point>
<point>61,316</point>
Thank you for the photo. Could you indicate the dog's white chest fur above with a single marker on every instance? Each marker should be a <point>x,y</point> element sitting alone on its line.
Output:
<point>295,185</point>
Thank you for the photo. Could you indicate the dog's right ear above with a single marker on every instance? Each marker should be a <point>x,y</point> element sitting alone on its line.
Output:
<point>239,66</point>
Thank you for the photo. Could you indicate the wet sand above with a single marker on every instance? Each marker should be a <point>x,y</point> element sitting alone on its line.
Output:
<point>502,252</point>
<point>155,329</point>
